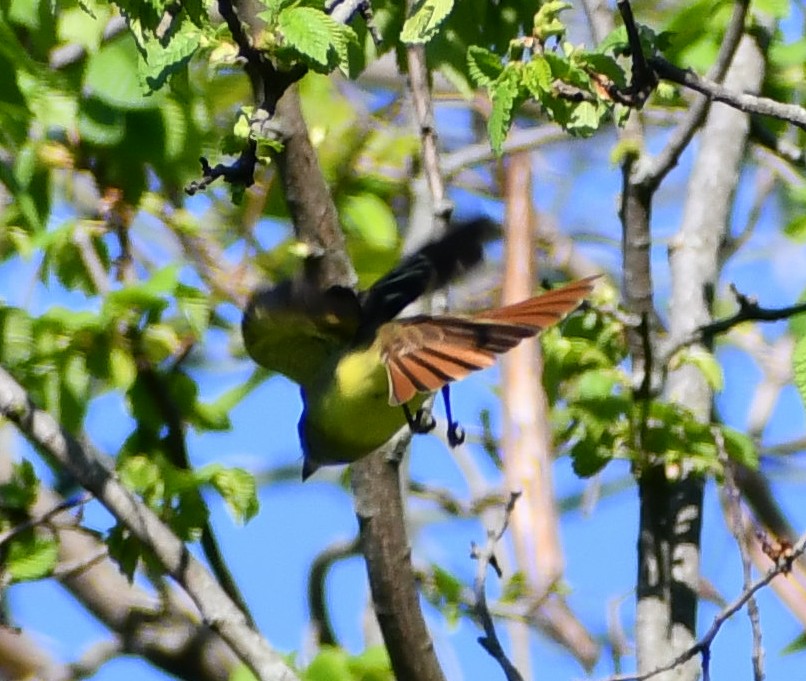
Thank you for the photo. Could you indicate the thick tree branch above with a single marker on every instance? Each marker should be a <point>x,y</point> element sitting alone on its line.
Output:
<point>380,511</point>
<point>87,466</point>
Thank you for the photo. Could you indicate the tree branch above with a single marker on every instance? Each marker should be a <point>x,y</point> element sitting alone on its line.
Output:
<point>680,138</point>
<point>748,103</point>
<point>703,645</point>
<point>485,558</point>
<point>749,311</point>
<point>86,465</point>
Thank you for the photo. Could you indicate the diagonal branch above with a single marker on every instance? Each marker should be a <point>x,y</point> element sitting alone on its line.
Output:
<point>748,103</point>
<point>749,311</point>
<point>486,557</point>
<point>87,466</point>
<point>703,645</point>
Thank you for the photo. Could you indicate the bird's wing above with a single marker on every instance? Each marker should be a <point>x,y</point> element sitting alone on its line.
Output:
<point>428,269</point>
<point>424,353</point>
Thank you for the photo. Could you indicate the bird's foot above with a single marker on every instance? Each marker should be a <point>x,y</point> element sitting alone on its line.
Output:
<point>456,434</point>
<point>421,422</point>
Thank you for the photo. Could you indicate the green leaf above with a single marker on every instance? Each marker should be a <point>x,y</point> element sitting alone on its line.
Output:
<point>16,336</point>
<point>370,216</point>
<point>31,556</point>
<point>705,361</point>
<point>237,487</point>
<point>776,9</point>
<point>316,37</point>
<point>330,664</point>
<point>195,308</point>
<point>20,490</point>
<point>372,665</point>
<point>426,17</point>
<point>101,124</point>
<point>796,646</point>
<point>141,474</point>
<point>799,366</point>
<point>111,76</point>
<point>125,549</point>
<point>242,673</point>
<point>484,66</point>
<point>795,229</point>
<point>740,448</point>
<point>161,58</point>
<point>503,95</point>
<point>537,77</point>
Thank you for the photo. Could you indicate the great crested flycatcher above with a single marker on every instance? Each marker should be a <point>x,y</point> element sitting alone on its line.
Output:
<point>357,368</point>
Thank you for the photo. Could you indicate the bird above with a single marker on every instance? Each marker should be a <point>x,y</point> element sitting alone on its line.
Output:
<point>363,372</point>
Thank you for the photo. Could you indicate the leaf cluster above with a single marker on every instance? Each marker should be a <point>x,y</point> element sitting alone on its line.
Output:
<point>597,416</point>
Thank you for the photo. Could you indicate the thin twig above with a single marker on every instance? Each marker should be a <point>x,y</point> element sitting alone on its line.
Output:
<point>486,557</point>
<point>73,502</point>
<point>317,603</point>
<point>749,311</point>
<point>748,103</point>
<point>735,519</point>
<point>703,645</point>
<point>424,112</point>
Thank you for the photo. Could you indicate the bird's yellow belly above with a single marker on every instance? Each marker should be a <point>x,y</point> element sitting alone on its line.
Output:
<point>352,416</point>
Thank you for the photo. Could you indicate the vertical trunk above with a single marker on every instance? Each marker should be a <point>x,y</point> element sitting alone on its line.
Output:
<point>671,509</point>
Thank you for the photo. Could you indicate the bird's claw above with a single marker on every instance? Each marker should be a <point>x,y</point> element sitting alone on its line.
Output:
<point>456,434</point>
<point>423,422</point>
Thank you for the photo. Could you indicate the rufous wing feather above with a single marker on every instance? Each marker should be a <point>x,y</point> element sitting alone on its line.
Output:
<point>424,353</point>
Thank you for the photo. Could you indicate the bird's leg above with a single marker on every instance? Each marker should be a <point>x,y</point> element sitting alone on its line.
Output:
<point>421,422</point>
<point>456,434</point>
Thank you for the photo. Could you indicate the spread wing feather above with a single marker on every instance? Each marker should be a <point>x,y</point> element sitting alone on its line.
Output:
<point>424,353</point>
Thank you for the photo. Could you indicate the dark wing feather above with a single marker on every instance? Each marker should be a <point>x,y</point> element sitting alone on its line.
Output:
<point>424,353</point>
<point>428,269</point>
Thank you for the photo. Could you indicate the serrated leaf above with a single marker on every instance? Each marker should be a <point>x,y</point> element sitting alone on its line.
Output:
<point>140,474</point>
<point>484,66</point>
<point>237,487</point>
<point>504,93</point>
<point>584,119</point>
<point>315,36</point>
<point>31,556</point>
<point>426,17</point>
<point>161,58</point>
<point>536,76</point>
